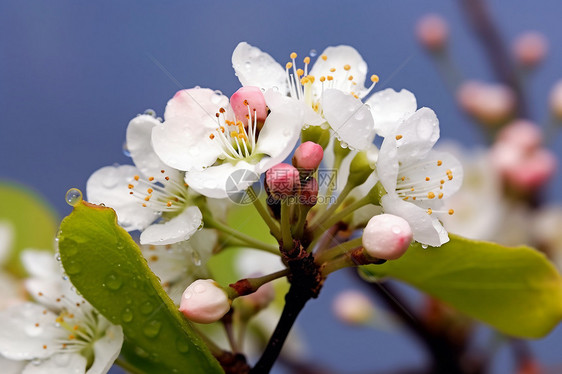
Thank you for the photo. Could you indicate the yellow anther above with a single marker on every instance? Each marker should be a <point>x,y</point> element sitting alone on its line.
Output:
<point>130,186</point>
<point>153,258</point>
<point>324,57</point>
<point>332,69</point>
<point>233,134</point>
<point>311,78</point>
<point>406,198</point>
<point>403,179</point>
<point>300,72</point>
<point>398,137</point>
<point>412,189</point>
<point>439,162</point>
<point>246,102</point>
<point>330,77</point>
<point>44,347</point>
<point>350,78</point>
<point>150,179</point>
<point>429,211</point>
<point>136,177</point>
<point>150,190</point>
<point>306,60</point>
<point>162,171</point>
<point>221,129</point>
<point>414,198</point>
<point>451,212</point>
<point>430,195</point>
<point>427,179</point>
<point>293,55</point>
<point>221,110</point>
<point>346,67</point>
<point>322,78</point>
<point>374,78</point>
<point>442,181</point>
<point>75,327</point>
<point>147,198</point>
<point>304,81</point>
<point>289,65</point>
<point>169,204</point>
<point>212,136</point>
<point>167,178</point>
<point>440,195</point>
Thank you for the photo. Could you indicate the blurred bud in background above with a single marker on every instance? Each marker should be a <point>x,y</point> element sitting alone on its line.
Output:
<point>555,100</point>
<point>353,307</point>
<point>432,32</point>
<point>489,103</point>
<point>530,49</point>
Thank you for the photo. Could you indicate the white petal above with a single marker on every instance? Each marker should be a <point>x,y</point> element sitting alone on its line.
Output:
<point>220,181</point>
<point>311,118</point>
<point>184,143</point>
<point>106,350</point>
<point>338,57</point>
<point>349,118</point>
<point>389,108</point>
<point>280,131</point>
<point>6,239</point>
<point>426,228</point>
<point>41,264</point>
<point>62,363</point>
<point>11,291</point>
<point>11,366</point>
<point>175,230</point>
<point>139,144</point>
<point>200,104</point>
<point>387,164</point>
<point>417,135</point>
<point>22,339</point>
<point>108,185</point>
<point>256,68</point>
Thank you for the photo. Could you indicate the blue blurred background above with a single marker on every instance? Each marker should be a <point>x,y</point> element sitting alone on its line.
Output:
<point>73,73</point>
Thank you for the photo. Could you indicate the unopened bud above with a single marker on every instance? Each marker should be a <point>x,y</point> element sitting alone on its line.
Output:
<point>521,133</point>
<point>353,307</point>
<point>282,180</point>
<point>432,32</point>
<point>204,301</point>
<point>360,169</point>
<point>308,156</point>
<point>555,100</point>
<point>533,171</point>
<point>530,48</point>
<point>491,104</point>
<point>249,101</point>
<point>387,237</point>
<point>309,192</point>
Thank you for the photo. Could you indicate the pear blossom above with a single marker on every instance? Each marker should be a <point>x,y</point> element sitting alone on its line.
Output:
<point>331,91</point>
<point>60,332</point>
<point>143,193</point>
<point>204,301</point>
<point>387,236</point>
<point>203,136</point>
<point>416,178</point>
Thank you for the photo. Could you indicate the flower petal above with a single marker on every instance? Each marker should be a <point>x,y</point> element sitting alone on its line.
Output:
<point>349,118</point>
<point>28,332</point>
<point>6,239</point>
<point>175,230</point>
<point>108,185</point>
<point>387,164</point>
<point>106,350</point>
<point>198,103</point>
<point>416,135</point>
<point>139,144</point>
<point>426,228</point>
<point>41,264</point>
<point>218,181</point>
<point>62,363</point>
<point>11,366</point>
<point>256,68</point>
<point>280,131</point>
<point>389,108</point>
<point>337,57</point>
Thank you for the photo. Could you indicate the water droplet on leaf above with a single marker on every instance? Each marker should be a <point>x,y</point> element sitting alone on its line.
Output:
<point>127,315</point>
<point>113,282</point>
<point>152,329</point>
<point>73,196</point>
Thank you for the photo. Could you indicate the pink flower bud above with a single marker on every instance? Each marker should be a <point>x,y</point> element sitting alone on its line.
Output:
<point>387,236</point>
<point>490,104</point>
<point>533,171</point>
<point>353,307</point>
<point>432,32</point>
<point>251,98</point>
<point>530,48</point>
<point>309,193</point>
<point>555,100</point>
<point>308,156</point>
<point>204,301</point>
<point>523,134</point>
<point>282,180</point>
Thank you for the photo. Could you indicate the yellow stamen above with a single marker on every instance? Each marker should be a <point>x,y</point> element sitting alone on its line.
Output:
<point>374,78</point>
<point>324,57</point>
<point>398,137</point>
<point>430,195</point>
<point>293,55</point>
<point>346,67</point>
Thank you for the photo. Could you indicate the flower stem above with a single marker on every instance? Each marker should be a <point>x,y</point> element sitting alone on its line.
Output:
<point>286,224</point>
<point>250,285</point>
<point>273,226</point>
<point>339,250</point>
<point>331,210</point>
<point>341,215</point>
<point>254,243</point>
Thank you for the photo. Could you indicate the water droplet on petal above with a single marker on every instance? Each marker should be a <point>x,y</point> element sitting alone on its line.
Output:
<point>248,64</point>
<point>126,151</point>
<point>150,112</point>
<point>73,196</point>
<point>57,257</point>
<point>313,53</point>
<point>424,246</point>
<point>396,230</point>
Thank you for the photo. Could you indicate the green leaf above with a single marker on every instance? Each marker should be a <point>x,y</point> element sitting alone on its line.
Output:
<point>33,219</point>
<point>107,267</point>
<point>516,290</point>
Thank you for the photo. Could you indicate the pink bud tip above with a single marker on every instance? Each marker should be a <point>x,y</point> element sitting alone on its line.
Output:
<point>308,156</point>
<point>432,32</point>
<point>530,48</point>
<point>353,307</point>
<point>491,104</point>
<point>387,236</point>
<point>555,100</point>
<point>249,101</point>
<point>533,171</point>
<point>282,180</point>
<point>204,301</point>
<point>521,133</point>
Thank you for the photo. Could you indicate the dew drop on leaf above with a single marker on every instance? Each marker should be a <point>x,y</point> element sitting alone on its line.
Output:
<point>181,345</point>
<point>152,329</point>
<point>113,282</point>
<point>146,308</point>
<point>127,315</point>
<point>73,196</point>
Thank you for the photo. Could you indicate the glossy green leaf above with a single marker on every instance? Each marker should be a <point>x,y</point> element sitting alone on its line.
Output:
<point>34,222</point>
<point>107,267</point>
<point>516,290</point>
